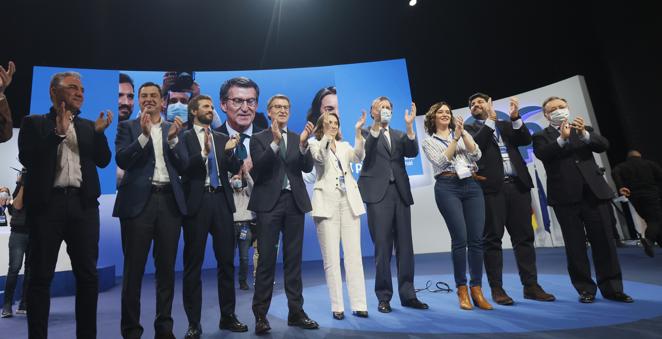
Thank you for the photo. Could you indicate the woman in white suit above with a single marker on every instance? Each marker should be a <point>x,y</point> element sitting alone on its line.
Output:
<point>337,206</point>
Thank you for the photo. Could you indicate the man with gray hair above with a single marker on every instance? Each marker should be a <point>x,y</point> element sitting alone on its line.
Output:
<point>61,151</point>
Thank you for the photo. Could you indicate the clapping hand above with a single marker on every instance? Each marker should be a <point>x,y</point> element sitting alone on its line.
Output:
<point>6,76</point>
<point>63,119</point>
<point>176,126</point>
<point>514,108</point>
<point>409,118</point>
<point>232,143</point>
<point>102,122</point>
<point>306,133</point>
<point>491,113</point>
<point>565,129</point>
<point>360,123</point>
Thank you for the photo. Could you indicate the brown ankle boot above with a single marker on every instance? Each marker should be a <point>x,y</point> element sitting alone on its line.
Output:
<point>463,296</point>
<point>479,299</point>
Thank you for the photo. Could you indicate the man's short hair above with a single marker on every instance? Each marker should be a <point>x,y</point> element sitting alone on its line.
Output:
<point>550,99</point>
<point>381,98</point>
<point>126,79</point>
<point>58,77</point>
<point>194,104</point>
<point>149,84</point>
<point>242,82</point>
<point>277,96</point>
<point>478,95</point>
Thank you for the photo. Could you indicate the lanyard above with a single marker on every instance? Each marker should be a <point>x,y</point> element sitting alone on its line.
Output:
<point>444,141</point>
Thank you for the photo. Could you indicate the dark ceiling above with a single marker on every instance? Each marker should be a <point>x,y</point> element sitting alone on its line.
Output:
<point>453,48</point>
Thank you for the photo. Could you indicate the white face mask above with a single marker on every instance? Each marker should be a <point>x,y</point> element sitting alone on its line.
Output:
<point>558,116</point>
<point>237,183</point>
<point>4,195</point>
<point>385,115</point>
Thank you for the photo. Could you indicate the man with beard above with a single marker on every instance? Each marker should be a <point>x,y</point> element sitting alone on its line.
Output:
<point>507,192</point>
<point>210,205</point>
<point>126,96</point>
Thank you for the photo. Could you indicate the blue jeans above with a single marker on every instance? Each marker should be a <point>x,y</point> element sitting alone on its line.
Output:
<point>18,250</point>
<point>243,246</point>
<point>462,205</point>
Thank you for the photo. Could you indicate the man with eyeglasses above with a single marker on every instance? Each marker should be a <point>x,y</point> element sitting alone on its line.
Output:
<point>280,200</point>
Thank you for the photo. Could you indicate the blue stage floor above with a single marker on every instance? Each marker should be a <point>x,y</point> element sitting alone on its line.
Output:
<point>564,318</point>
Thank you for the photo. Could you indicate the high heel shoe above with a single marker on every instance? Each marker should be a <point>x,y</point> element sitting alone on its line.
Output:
<point>463,296</point>
<point>479,298</point>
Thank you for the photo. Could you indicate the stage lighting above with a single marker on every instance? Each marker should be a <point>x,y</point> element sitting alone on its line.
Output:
<point>412,2</point>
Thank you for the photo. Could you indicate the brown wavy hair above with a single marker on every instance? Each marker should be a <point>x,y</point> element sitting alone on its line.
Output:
<point>430,124</point>
<point>319,126</point>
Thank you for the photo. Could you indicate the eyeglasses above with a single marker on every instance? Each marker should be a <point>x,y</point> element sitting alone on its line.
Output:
<point>283,107</point>
<point>238,102</point>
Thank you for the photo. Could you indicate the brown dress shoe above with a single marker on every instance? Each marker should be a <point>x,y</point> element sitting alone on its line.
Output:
<point>501,297</point>
<point>535,292</point>
<point>463,296</point>
<point>479,298</point>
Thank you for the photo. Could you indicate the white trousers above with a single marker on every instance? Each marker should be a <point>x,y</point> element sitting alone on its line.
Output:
<point>342,226</point>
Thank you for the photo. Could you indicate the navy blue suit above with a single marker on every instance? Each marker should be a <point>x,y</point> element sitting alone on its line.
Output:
<point>148,212</point>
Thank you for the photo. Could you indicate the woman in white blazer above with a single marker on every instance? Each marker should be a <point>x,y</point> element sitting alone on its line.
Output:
<point>337,206</point>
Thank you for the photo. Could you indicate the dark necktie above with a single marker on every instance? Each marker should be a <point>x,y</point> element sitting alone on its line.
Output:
<point>282,151</point>
<point>241,151</point>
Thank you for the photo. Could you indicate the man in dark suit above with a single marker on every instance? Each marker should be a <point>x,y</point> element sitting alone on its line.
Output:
<point>239,97</point>
<point>6,124</point>
<point>280,200</point>
<point>507,191</point>
<point>210,204</point>
<point>61,151</point>
<point>384,187</point>
<point>579,194</point>
<point>150,204</point>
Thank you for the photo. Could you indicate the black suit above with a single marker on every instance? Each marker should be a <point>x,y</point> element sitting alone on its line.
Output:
<point>148,212</point>
<point>507,200</point>
<point>384,187</point>
<point>62,214</point>
<point>279,210</point>
<point>208,212</point>
<point>580,196</point>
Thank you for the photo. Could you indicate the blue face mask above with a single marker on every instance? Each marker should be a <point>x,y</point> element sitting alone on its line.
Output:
<point>177,110</point>
<point>385,115</point>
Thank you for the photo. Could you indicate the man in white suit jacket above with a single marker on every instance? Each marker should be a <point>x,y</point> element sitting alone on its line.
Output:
<point>337,207</point>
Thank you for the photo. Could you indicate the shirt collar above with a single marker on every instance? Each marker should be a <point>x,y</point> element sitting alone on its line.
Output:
<point>231,131</point>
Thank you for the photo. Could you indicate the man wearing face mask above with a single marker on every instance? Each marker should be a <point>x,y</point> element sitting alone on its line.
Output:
<point>580,196</point>
<point>385,189</point>
<point>210,206</point>
<point>507,192</point>
<point>177,105</point>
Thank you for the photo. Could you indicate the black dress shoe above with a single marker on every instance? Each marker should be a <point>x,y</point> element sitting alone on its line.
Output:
<point>384,307</point>
<point>232,323</point>
<point>648,247</point>
<point>535,292</point>
<point>415,303</point>
<point>164,335</point>
<point>501,297</point>
<point>262,326</point>
<point>243,285</point>
<point>338,315</point>
<point>586,298</point>
<point>619,296</point>
<point>193,333</point>
<point>301,320</point>
<point>360,314</point>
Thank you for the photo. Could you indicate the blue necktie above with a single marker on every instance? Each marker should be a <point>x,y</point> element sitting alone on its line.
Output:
<point>241,151</point>
<point>211,166</point>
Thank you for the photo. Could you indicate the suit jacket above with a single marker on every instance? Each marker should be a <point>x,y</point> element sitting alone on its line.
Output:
<point>6,124</point>
<point>380,161</point>
<point>37,151</point>
<point>328,181</point>
<point>195,174</point>
<point>269,168</point>
<point>138,163</point>
<point>490,164</point>
<point>571,167</point>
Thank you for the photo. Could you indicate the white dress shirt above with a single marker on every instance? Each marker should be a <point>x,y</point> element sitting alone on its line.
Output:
<point>160,176</point>
<point>67,167</point>
<point>200,133</point>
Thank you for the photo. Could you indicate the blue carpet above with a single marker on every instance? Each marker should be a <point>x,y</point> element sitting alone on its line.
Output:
<point>445,316</point>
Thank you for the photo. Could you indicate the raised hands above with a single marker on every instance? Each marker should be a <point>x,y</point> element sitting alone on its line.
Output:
<point>6,76</point>
<point>360,123</point>
<point>459,127</point>
<point>146,124</point>
<point>207,140</point>
<point>409,118</point>
<point>578,124</point>
<point>175,128</point>
<point>275,131</point>
<point>102,122</point>
<point>514,108</point>
<point>306,133</point>
<point>491,113</point>
<point>565,129</point>
<point>63,119</point>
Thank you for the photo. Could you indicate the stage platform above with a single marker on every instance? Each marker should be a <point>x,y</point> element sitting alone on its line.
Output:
<point>564,318</point>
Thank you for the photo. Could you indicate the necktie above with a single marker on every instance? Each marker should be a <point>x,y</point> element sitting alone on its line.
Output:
<point>241,151</point>
<point>211,165</point>
<point>282,151</point>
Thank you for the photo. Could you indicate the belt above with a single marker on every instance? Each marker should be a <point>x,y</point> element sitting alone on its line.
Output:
<point>66,190</point>
<point>508,179</point>
<point>454,175</point>
<point>161,188</point>
<point>212,189</point>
